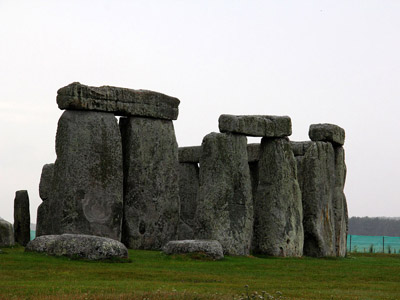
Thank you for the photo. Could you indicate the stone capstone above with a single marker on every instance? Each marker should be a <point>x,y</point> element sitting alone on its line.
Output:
<point>78,246</point>
<point>151,182</point>
<point>43,225</point>
<point>224,203</point>
<point>6,233</point>
<point>189,154</point>
<point>278,213</point>
<point>258,125</point>
<point>188,189</point>
<point>120,101</point>
<point>22,218</point>
<point>87,187</point>
<point>327,133</point>
<point>210,248</point>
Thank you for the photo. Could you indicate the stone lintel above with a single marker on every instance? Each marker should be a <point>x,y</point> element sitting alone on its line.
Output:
<point>256,125</point>
<point>327,133</point>
<point>189,154</point>
<point>120,101</point>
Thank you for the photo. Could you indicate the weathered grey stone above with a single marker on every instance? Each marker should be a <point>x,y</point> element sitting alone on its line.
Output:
<point>43,225</point>
<point>253,152</point>
<point>300,148</point>
<point>151,183</point>
<point>278,228</point>
<point>327,133</point>
<point>22,218</point>
<point>340,204</point>
<point>78,246</point>
<point>120,101</point>
<point>317,175</point>
<point>188,189</point>
<point>189,154</point>
<point>210,248</point>
<point>87,189</point>
<point>268,126</point>
<point>224,208</point>
<point>6,233</point>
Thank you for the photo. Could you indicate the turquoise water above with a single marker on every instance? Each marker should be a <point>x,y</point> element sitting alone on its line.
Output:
<point>373,244</point>
<point>33,234</point>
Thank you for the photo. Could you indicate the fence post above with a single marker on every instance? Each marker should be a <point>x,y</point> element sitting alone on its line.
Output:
<point>383,239</point>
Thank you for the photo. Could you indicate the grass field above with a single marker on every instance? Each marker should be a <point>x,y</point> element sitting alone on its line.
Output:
<point>152,275</point>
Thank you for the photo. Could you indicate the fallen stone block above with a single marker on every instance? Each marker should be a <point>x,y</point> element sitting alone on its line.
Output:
<point>22,218</point>
<point>327,133</point>
<point>258,125</point>
<point>120,101</point>
<point>78,246</point>
<point>189,154</point>
<point>6,233</point>
<point>210,248</point>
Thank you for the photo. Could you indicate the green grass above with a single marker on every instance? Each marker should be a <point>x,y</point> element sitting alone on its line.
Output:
<point>152,275</point>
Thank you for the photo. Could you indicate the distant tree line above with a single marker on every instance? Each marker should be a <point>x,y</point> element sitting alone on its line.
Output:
<point>374,226</point>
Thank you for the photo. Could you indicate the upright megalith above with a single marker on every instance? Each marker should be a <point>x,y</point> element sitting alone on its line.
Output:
<point>86,194</point>
<point>22,218</point>
<point>151,184</point>
<point>120,101</point>
<point>224,202</point>
<point>6,233</point>
<point>188,190</point>
<point>322,174</point>
<point>43,226</point>
<point>278,228</point>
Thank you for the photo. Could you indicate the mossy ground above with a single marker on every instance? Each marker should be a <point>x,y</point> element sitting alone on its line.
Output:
<point>153,275</point>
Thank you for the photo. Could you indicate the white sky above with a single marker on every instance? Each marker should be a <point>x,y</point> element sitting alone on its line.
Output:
<point>316,61</point>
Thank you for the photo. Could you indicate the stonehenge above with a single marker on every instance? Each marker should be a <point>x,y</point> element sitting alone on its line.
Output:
<point>6,233</point>
<point>22,218</point>
<point>127,179</point>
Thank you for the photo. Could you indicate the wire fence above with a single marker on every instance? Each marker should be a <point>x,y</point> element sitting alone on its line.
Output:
<point>373,244</point>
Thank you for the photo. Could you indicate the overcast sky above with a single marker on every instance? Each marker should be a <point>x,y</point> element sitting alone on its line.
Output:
<point>316,61</point>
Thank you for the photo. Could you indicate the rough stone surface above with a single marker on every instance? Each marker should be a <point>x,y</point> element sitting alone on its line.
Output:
<point>43,225</point>
<point>188,189</point>
<point>78,246</point>
<point>340,203</point>
<point>22,218</point>
<point>268,126</point>
<point>151,182</point>
<point>278,228</point>
<point>210,248</point>
<point>327,133</point>
<point>87,189</point>
<point>300,148</point>
<point>224,208</point>
<point>189,154</point>
<point>6,233</point>
<point>317,179</point>
<point>253,152</point>
<point>120,101</point>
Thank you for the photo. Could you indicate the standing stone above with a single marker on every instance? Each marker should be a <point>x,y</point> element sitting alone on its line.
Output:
<point>340,204</point>
<point>43,226</point>
<point>87,189</point>
<point>188,189</point>
<point>6,233</point>
<point>278,228</point>
<point>189,154</point>
<point>318,180</point>
<point>225,208</point>
<point>22,218</point>
<point>151,183</point>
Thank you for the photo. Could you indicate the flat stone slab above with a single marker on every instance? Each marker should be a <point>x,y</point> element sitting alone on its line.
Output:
<point>78,246</point>
<point>120,101</point>
<point>210,248</point>
<point>327,133</point>
<point>189,154</point>
<point>258,125</point>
